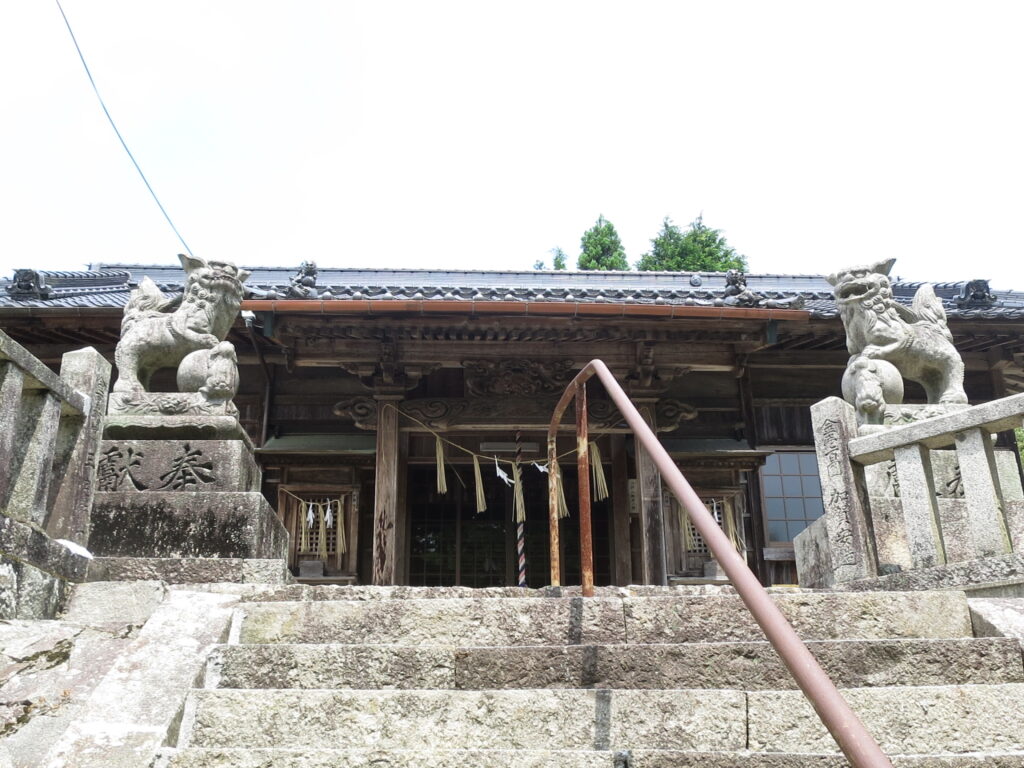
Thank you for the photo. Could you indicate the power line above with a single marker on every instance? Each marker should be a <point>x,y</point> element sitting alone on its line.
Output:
<point>119,136</point>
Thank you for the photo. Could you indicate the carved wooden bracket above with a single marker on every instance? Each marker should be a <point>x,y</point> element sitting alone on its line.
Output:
<point>387,374</point>
<point>647,376</point>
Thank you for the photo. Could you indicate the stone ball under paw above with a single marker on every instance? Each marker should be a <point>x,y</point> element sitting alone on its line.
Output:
<point>193,370</point>
<point>872,381</point>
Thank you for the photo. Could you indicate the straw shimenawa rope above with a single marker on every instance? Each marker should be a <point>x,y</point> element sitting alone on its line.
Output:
<point>597,473</point>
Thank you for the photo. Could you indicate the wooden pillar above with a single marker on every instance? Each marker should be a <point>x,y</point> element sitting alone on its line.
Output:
<point>402,511</point>
<point>622,571</point>
<point>652,521</point>
<point>385,498</point>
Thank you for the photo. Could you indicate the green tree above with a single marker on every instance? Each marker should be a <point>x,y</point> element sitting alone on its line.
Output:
<point>558,259</point>
<point>698,249</point>
<point>601,248</point>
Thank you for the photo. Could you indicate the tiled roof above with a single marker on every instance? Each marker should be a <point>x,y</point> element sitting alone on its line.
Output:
<point>109,285</point>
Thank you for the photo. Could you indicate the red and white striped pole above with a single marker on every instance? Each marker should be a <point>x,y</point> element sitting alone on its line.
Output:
<point>520,524</point>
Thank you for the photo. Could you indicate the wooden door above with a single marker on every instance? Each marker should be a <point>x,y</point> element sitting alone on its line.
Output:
<point>322,523</point>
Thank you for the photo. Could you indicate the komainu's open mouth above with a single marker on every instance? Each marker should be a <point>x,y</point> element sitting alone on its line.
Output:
<point>853,289</point>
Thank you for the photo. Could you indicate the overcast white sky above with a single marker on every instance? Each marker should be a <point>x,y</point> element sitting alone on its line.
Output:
<point>479,135</point>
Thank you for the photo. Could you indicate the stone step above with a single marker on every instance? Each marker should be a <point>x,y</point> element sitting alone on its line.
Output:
<point>442,758</point>
<point>905,720</point>
<point>601,620</point>
<point>956,718</point>
<point>325,592</point>
<point>749,666</point>
<point>426,719</point>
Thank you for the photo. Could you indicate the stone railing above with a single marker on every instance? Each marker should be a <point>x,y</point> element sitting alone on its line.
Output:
<point>900,500</point>
<point>50,428</point>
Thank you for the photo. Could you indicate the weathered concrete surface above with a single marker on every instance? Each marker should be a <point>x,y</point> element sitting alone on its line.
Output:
<point>52,667</point>
<point>974,576</point>
<point>566,719</point>
<point>131,710</point>
<point>639,758</point>
<point>998,617</point>
<point>28,544</point>
<point>114,605</point>
<point>815,616</point>
<point>190,570</point>
<point>27,592</point>
<point>332,666</point>
<point>319,592</point>
<point>169,524</point>
<point>573,621</point>
<point>925,720</point>
<point>52,683</point>
<point>749,666</point>
<point>461,622</point>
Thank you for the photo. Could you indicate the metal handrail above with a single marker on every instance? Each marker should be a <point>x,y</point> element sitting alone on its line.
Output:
<point>853,739</point>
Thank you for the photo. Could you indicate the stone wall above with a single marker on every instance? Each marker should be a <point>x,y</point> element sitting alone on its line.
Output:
<point>49,434</point>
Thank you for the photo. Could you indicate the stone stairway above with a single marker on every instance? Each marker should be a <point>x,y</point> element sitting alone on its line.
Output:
<point>347,677</point>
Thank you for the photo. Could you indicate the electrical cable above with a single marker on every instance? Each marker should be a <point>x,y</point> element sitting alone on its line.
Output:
<point>119,136</point>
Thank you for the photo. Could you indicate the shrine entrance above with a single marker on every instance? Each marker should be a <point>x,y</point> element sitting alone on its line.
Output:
<point>452,544</point>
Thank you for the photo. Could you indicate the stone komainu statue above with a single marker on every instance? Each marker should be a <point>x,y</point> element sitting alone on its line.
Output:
<point>889,342</point>
<point>185,333</point>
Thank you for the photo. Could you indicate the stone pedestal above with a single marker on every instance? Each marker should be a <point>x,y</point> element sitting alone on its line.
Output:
<point>171,415</point>
<point>188,524</point>
<point>178,498</point>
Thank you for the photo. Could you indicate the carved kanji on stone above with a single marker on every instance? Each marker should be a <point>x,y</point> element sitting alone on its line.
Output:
<point>115,469</point>
<point>187,469</point>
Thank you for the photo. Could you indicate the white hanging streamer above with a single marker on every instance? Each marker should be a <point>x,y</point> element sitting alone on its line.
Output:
<point>541,467</point>
<point>501,473</point>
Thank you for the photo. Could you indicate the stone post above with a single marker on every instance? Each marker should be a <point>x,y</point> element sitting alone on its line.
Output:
<point>74,481</point>
<point>847,522</point>
<point>920,509</point>
<point>12,380</point>
<point>986,526</point>
<point>37,437</point>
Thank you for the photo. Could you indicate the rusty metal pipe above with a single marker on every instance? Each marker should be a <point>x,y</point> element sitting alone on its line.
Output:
<point>859,747</point>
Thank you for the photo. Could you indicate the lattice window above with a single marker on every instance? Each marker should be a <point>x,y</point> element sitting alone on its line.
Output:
<point>693,542</point>
<point>318,519</point>
<point>792,493</point>
<point>725,513</point>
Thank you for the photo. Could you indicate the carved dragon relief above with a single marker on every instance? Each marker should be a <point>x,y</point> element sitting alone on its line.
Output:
<point>527,412</point>
<point>516,376</point>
